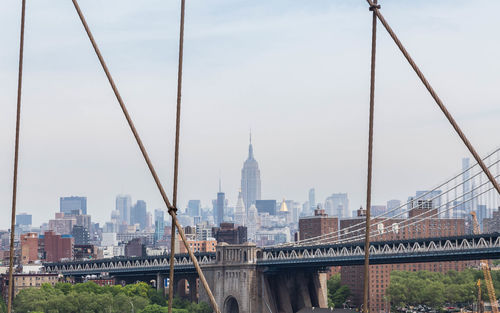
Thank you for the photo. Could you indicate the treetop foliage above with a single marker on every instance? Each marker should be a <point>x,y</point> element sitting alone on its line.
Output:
<point>92,298</point>
<point>437,289</point>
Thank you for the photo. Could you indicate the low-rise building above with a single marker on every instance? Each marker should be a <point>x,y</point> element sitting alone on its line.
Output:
<point>24,281</point>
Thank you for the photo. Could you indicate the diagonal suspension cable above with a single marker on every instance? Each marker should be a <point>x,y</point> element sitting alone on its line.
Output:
<point>404,206</point>
<point>16,160</point>
<point>173,211</point>
<point>366,289</point>
<point>436,97</point>
<point>146,157</point>
<point>356,227</point>
<point>419,217</point>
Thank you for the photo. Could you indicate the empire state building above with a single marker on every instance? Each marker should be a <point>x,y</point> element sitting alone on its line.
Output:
<point>250,179</point>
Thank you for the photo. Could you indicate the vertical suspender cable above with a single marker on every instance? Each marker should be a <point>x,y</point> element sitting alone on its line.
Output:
<point>436,98</point>
<point>16,161</point>
<point>366,291</point>
<point>173,211</point>
<point>146,156</point>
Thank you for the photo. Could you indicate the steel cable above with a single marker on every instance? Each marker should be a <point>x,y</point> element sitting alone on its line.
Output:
<point>146,158</point>
<point>435,97</point>
<point>370,162</point>
<point>16,161</point>
<point>173,211</point>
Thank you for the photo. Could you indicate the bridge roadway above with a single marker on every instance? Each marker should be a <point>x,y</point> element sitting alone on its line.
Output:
<point>469,247</point>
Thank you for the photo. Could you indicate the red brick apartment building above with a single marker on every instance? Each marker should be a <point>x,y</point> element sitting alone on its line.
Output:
<point>352,276</point>
<point>380,274</point>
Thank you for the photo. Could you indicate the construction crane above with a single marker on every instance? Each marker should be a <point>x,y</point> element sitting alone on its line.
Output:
<point>486,271</point>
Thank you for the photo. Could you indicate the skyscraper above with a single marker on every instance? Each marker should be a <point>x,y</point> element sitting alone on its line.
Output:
<point>392,208</point>
<point>219,209</point>
<point>70,205</point>
<point>466,188</point>
<point>159,224</point>
<point>312,199</point>
<point>337,205</point>
<point>220,205</point>
<point>240,214</point>
<point>23,219</point>
<point>138,214</point>
<point>250,178</point>
<point>123,204</point>
<point>194,208</point>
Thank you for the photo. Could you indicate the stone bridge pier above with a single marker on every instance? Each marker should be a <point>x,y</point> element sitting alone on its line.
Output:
<point>241,286</point>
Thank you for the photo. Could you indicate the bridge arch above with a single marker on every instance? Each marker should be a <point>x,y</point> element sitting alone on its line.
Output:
<point>231,305</point>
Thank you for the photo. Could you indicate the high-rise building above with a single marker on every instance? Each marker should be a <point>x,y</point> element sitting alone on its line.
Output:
<point>219,208</point>
<point>250,178</point>
<point>312,200</point>
<point>377,210</point>
<point>159,224</point>
<point>123,205</point>
<point>252,222</point>
<point>194,208</point>
<point>23,219</point>
<point>466,188</point>
<point>337,205</point>
<point>73,205</point>
<point>240,214</point>
<point>392,208</point>
<point>492,224</point>
<point>85,221</point>
<point>62,224</point>
<point>81,235</point>
<point>138,214</point>
<point>57,247</point>
<point>266,206</point>
<point>481,213</point>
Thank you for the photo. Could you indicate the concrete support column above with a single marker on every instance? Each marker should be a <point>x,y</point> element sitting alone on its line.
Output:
<point>320,284</point>
<point>193,289</point>
<point>285,302</point>
<point>181,285</point>
<point>269,298</point>
<point>302,283</point>
<point>160,283</point>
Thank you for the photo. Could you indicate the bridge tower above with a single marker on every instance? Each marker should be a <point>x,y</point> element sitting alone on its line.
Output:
<point>240,286</point>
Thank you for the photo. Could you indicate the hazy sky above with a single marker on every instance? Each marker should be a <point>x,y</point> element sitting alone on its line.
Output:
<point>295,72</point>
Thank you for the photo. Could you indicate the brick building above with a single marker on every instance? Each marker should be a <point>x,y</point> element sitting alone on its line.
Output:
<point>317,225</point>
<point>227,232</point>
<point>199,246</point>
<point>492,224</point>
<point>57,247</point>
<point>135,248</point>
<point>380,274</point>
<point>29,248</point>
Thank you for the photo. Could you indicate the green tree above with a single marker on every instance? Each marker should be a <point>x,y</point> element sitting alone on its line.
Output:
<point>436,289</point>
<point>3,306</point>
<point>154,308</point>
<point>337,293</point>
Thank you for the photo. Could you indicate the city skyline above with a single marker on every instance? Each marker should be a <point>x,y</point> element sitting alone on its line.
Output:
<point>297,74</point>
<point>124,204</point>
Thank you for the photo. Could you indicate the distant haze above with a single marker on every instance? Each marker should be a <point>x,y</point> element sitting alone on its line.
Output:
<point>295,72</point>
